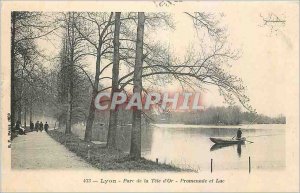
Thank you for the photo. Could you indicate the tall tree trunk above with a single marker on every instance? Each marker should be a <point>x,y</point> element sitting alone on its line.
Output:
<point>90,119</point>
<point>19,115</point>
<point>69,113</point>
<point>91,116</point>
<point>71,39</point>
<point>12,70</point>
<point>25,115</point>
<point>20,100</point>
<point>30,112</point>
<point>135,148</point>
<point>113,118</point>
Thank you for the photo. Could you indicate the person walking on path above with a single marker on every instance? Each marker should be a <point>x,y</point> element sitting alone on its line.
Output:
<point>37,126</point>
<point>46,127</point>
<point>18,126</point>
<point>41,126</point>
<point>31,126</point>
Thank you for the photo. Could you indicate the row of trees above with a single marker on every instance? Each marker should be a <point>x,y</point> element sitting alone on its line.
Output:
<point>219,116</point>
<point>122,43</point>
<point>30,86</point>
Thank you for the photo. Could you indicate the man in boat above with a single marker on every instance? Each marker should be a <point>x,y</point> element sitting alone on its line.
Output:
<point>239,134</point>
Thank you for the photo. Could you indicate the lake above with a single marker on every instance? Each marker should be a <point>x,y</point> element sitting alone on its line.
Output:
<point>188,146</point>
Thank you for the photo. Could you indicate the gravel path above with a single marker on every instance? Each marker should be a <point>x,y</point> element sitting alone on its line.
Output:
<point>38,150</point>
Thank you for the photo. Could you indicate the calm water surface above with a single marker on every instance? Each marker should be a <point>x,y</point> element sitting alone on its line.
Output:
<point>188,146</point>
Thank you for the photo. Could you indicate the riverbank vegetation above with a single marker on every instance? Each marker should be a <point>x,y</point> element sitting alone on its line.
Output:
<point>219,116</point>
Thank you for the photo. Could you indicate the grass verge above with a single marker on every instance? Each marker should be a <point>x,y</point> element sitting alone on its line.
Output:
<point>107,159</point>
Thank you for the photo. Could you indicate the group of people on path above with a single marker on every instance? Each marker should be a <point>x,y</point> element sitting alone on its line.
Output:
<point>39,126</point>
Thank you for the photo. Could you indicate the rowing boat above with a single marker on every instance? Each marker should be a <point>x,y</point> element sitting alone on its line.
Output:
<point>227,140</point>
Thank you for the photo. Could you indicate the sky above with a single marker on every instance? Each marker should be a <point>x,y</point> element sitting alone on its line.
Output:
<point>267,58</point>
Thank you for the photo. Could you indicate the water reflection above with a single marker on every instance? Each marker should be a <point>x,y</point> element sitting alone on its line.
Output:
<point>220,146</point>
<point>239,149</point>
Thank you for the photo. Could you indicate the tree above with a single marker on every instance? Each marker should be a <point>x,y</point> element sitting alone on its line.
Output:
<point>97,37</point>
<point>12,57</point>
<point>113,119</point>
<point>127,56</point>
<point>71,46</point>
<point>199,68</point>
<point>135,147</point>
<point>72,76</point>
<point>26,28</point>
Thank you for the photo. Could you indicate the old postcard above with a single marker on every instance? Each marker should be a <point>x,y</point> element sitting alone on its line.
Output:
<point>149,96</point>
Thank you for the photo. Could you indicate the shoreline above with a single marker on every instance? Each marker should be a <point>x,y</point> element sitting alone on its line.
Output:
<point>242,126</point>
<point>108,159</point>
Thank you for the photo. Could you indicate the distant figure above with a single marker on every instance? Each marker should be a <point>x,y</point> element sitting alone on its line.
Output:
<point>18,125</point>
<point>41,126</point>
<point>37,126</point>
<point>46,127</point>
<point>239,134</point>
<point>31,126</point>
<point>18,129</point>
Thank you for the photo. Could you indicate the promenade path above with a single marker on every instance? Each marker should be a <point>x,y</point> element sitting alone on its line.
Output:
<point>37,150</point>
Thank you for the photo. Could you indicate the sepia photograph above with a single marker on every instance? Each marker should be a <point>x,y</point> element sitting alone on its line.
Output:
<point>157,96</point>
